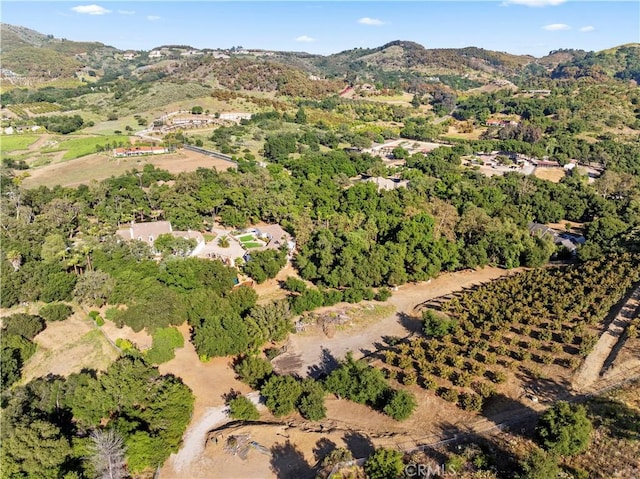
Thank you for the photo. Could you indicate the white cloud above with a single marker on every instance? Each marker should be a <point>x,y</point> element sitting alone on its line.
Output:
<point>90,9</point>
<point>534,3</point>
<point>588,28</point>
<point>126,12</point>
<point>370,21</point>
<point>555,27</point>
<point>153,18</point>
<point>305,39</point>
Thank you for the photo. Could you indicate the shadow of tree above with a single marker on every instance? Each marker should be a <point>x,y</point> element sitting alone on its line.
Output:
<point>469,451</point>
<point>620,419</point>
<point>323,448</point>
<point>288,462</point>
<point>412,324</point>
<point>328,363</point>
<point>359,444</point>
<point>517,416</point>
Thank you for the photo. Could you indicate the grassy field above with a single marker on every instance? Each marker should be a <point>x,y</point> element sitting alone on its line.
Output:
<point>78,147</point>
<point>252,244</point>
<point>15,142</point>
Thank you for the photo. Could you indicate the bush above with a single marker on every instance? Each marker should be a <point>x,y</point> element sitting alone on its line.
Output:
<point>56,312</point>
<point>311,402</point>
<point>253,371</point>
<point>564,429</point>
<point>401,405</point>
<point>294,285</point>
<point>383,294</point>
<point>437,326</point>
<point>281,394</point>
<point>165,340</point>
<point>384,464</point>
<point>241,407</point>
<point>25,325</point>
<point>540,465</point>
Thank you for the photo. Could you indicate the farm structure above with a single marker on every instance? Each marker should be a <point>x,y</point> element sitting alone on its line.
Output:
<point>139,151</point>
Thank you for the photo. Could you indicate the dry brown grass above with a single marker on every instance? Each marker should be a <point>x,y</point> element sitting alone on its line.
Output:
<point>101,166</point>
<point>552,174</point>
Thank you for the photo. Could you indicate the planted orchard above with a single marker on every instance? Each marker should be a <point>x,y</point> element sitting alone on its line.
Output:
<point>527,322</point>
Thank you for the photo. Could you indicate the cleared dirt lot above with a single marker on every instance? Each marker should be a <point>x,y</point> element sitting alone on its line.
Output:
<point>100,166</point>
<point>552,174</point>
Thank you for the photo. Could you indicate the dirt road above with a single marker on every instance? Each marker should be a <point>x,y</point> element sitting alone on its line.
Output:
<point>591,369</point>
<point>309,350</point>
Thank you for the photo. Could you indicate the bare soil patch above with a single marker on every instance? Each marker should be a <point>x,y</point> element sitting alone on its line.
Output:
<point>552,174</point>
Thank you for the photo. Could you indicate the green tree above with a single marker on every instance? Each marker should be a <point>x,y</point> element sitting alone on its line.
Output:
<point>25,325</point>
<point>281,394</point>
<point>564,429</point>
<point>34,449</point>
<point>311,402</point>
<point>56,311</point>
<point>401,405</point>
<point>93,288</point>
<point>253,371</point>
<point>540,465</point>
<point>241,407</point>
<point>384,464</point>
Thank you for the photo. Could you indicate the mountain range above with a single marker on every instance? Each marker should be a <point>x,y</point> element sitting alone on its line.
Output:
<point>403,64</point>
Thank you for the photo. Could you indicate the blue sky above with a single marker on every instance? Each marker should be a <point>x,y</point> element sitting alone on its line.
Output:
<point>516,26</point>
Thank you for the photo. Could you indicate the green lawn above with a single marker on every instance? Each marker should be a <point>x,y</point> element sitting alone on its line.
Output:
<point>246,238</point>
<point>82,146</point>
<point>252,244</point>
<point>16,142</point>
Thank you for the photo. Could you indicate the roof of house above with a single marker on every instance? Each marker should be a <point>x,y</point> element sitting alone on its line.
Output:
<point>196,235</point>
<point>541,230</point>
<point>145,230</point>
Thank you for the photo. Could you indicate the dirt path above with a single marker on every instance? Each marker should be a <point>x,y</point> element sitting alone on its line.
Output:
<point>194,440</point>
<point>307,350</point>
<point>591,369</point>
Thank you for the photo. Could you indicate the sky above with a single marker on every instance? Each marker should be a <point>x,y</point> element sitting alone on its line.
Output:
<point>532,27</point>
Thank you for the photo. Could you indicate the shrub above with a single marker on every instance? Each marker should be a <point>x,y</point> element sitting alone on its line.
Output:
<point>383,294</point>
<point>471,402</point>
<point>450,395</point>
<point>384,464</point>
<point>241,407</point>
<point>253,371</point>
<point>111,314</point>
<point>311,402</point>
<point>540,465</point>
<point>564,429</point>
<point>401,405</point>
<point>165,340</point>
<point>25,325</point>
<point>294,285</point>
<point>281,394</point>
<point>56,311</point>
